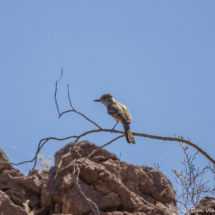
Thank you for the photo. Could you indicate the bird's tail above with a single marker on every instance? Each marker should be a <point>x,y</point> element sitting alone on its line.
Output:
<point>128,133</point>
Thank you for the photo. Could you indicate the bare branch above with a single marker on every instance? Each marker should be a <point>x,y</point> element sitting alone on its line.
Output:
<point>191,181</point>
<point>56,91</point>
<point>40,145</point>
<point>69,97</point>
<point>79,112</point>
<point>73,110</point>
<point>212,168</point>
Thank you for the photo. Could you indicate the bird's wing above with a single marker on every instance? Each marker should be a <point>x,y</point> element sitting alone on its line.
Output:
<point>119,112</point>
<point>127,114</point>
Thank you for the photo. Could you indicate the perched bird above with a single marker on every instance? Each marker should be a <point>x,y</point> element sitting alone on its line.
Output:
<point>120,113</point>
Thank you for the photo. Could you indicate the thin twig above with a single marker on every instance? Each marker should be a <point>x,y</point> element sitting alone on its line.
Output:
<point>56,91</point>
<point>190,179</point>
<point>100,148</point>
<point>73,109</point>
<point>67,154</point>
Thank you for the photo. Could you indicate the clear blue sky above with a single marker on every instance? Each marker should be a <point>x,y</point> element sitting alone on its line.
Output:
<point>156,57</point>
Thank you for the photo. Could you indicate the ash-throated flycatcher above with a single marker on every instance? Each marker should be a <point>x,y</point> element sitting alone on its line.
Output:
<point>120,113</point>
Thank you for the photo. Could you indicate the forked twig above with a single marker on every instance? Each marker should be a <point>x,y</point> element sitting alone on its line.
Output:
<point>73,109</point>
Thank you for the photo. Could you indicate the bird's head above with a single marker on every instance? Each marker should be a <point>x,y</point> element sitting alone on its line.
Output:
<point>105,99</point>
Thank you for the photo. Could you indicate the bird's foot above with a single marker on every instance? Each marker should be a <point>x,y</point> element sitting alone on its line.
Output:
<point>114,127</point>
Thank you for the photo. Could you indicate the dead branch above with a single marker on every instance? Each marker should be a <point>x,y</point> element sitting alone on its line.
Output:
<point>73,110</point>
<point>43,141</point>
<point>191,181</point>
<point>56,92</point>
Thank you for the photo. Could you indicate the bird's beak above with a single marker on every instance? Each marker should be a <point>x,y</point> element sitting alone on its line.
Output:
<point>97,100</point>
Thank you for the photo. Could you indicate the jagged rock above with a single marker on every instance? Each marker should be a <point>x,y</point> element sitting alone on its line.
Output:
<point>205,207</point>
<point>51,189</point>
<point>98,181</point>
<point>4,158</point>
<point>149,183</point>
<point>17,186</point>
<point>7,207</point>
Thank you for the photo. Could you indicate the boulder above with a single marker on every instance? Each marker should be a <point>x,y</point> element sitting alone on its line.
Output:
<point>7,207</point>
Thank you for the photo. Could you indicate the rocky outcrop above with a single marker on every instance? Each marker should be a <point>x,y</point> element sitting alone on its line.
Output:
<point>205,207</point>
<point>18,187</point>
<point>98,182</point>
<point>7,207</point>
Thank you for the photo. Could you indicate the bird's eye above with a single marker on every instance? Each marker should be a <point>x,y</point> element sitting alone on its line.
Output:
<point>104,98</point>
